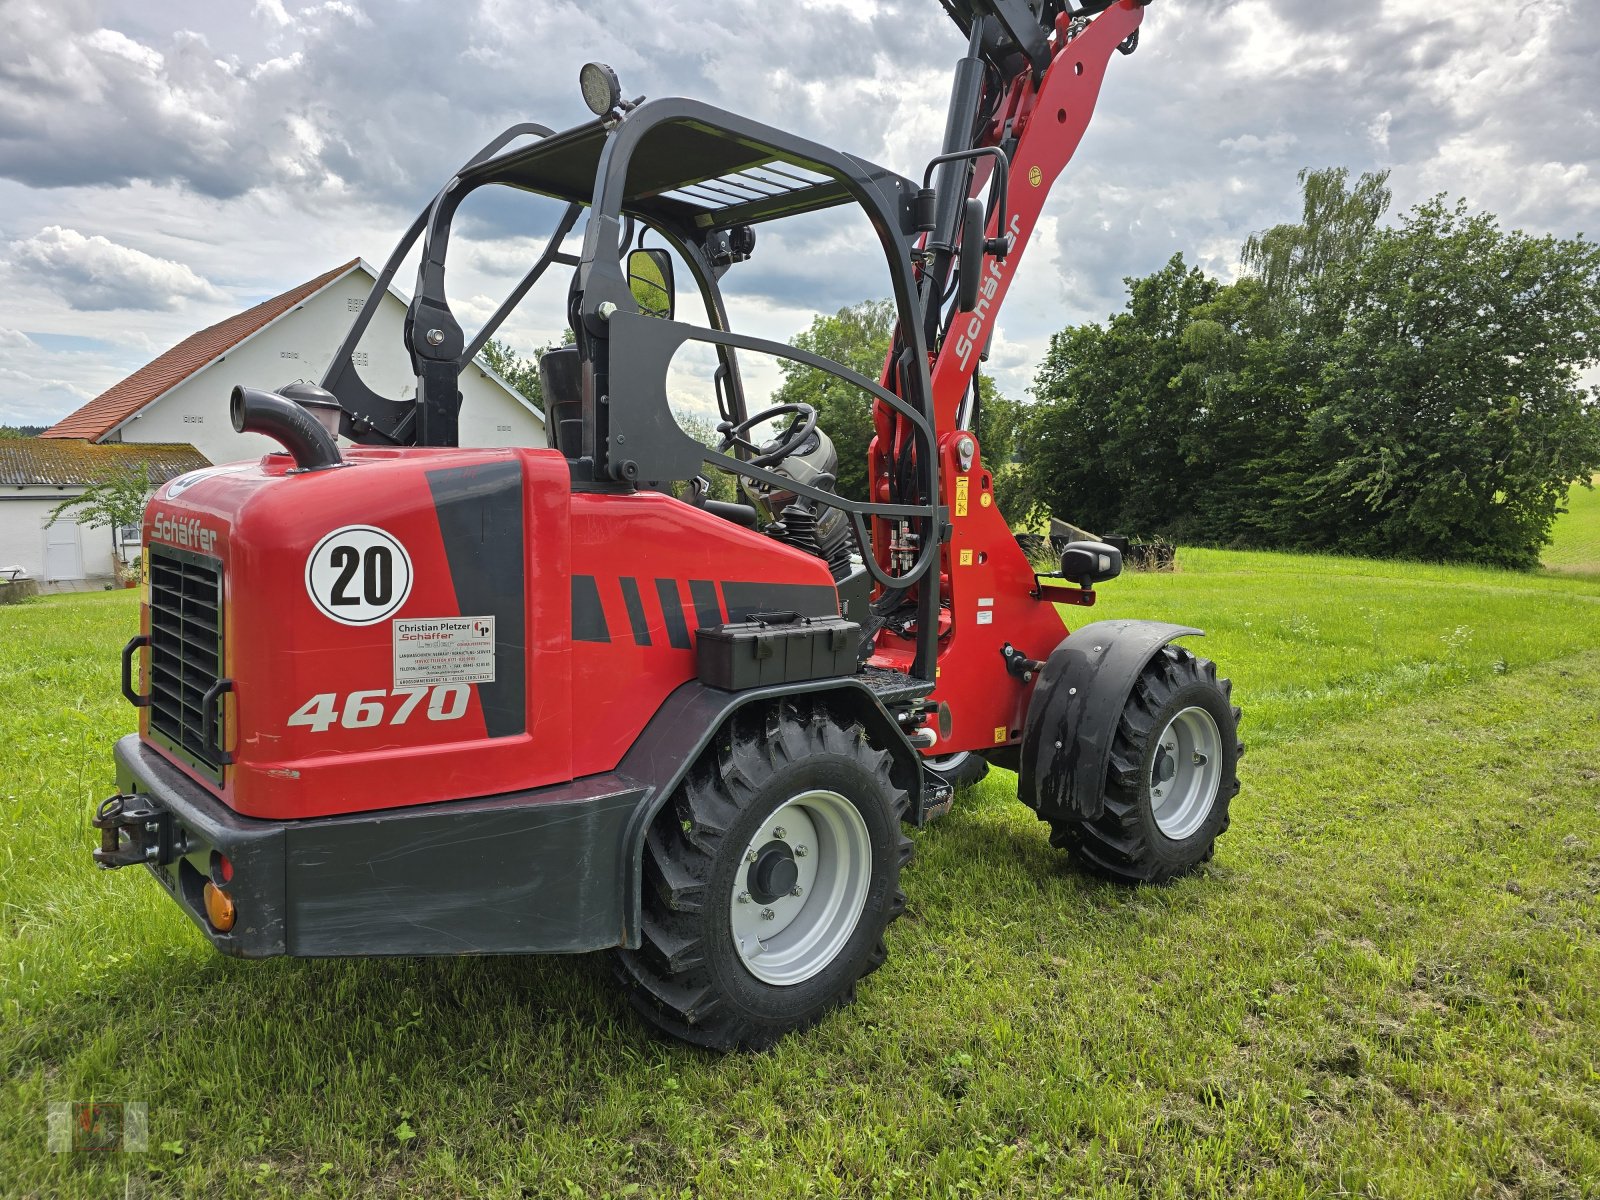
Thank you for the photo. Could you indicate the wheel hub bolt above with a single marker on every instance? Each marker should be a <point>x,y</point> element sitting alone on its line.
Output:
<point>801,851</point>
<point>797,890</point>
<point>749,856</point>
<point>768,915</point>
<point>780,833</point>
<point>744,897</point>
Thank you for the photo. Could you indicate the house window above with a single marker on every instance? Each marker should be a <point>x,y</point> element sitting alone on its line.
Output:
<point>128,535</point>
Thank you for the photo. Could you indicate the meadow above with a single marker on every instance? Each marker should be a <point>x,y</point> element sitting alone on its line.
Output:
<point>1384,985</point>
<point>1575,538</point>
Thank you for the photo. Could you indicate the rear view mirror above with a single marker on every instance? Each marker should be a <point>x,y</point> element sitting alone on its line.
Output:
<point>650,281</point>
<point>1089,563</point>
<point>970,265</point>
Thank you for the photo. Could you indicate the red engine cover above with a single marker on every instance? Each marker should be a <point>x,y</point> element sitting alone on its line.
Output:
<point>427,625</point>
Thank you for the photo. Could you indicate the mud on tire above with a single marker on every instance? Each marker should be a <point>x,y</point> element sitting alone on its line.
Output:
<point>691,977</point>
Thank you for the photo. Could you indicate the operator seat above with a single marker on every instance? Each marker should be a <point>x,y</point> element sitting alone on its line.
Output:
<point>561,385</point>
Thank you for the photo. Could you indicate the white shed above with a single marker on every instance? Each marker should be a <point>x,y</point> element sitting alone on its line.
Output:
<point>37,474</point>
<point>182,396</point>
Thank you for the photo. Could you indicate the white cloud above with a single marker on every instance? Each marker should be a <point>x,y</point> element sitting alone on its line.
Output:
<point>1378,129</point>
<point>94,273</point>
<point>1274,145</point>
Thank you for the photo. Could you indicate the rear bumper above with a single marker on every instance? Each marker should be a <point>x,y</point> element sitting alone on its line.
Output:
<point>530,872</point>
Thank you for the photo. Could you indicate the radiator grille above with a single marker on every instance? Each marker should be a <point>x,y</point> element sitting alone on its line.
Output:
<point>185,653</point>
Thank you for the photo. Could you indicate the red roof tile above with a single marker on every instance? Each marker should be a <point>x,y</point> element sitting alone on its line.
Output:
<point>120,401</point>
<point>66,462</point>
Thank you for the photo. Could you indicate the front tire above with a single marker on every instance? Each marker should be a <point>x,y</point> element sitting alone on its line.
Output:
<point>1172,775</point>
<point>769,880</point>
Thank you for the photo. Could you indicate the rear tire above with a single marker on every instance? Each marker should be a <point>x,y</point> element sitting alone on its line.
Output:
<point>789,797</point>
<point>960,770</point>
<point>1172,774</point>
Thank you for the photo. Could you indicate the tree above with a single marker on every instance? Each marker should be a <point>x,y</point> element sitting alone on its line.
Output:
<point>521,373</point>
<point>1450,421</point>
<point>856,337</point>
<point>1105,439</point>
<point>1336,227</point>
<point>116,500</point>
<point>859,337</point>
<point>1408,390</point>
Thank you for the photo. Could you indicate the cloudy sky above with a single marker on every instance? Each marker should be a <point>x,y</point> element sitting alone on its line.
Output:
<point>165,165</point>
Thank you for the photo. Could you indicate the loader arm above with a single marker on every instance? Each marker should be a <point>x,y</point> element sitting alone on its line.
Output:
<point>1039,128</point>
<point>1035,116</point>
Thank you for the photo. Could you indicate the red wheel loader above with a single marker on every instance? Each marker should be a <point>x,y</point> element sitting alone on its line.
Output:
<point>406,697</point>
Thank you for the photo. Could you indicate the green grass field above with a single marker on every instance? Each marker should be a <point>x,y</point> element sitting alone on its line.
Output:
<point>1575,537</point>
<point>1387,984</point>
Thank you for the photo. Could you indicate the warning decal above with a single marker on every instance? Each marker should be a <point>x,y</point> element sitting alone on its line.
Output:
<point>443,650</point>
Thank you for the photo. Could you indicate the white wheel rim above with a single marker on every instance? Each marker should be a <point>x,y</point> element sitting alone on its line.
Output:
<point>787,938</point>
<point>1184,773</point>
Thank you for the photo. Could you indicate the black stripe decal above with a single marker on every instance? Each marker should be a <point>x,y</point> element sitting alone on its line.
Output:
<point>635,607</point>
<point>480,520</point>
<point>807,599</point>
<point>707,612</point>
<point>588,618</point>
<point>672,610</point>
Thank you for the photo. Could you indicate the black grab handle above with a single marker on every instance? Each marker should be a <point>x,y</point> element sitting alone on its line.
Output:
<point>208,721</point>
<point>128,651</point>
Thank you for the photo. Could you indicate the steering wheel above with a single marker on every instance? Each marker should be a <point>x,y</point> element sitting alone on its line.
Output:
<point>790,440</point>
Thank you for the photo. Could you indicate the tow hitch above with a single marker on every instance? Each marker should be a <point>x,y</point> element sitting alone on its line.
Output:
<point>148,832</point>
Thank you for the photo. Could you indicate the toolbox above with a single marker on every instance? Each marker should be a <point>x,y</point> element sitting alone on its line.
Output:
<point>780,647</point>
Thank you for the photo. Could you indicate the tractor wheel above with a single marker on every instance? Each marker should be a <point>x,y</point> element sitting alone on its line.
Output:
<point>1173,772</point>
<point>958,770</point>
<point>770,878</point>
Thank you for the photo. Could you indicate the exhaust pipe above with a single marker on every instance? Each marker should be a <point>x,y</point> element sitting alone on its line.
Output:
<point>287,423</point>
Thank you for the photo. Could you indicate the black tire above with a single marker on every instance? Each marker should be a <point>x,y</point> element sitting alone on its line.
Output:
<point>687,977</point>
<point>1126,843</point>
<point>958,770</point>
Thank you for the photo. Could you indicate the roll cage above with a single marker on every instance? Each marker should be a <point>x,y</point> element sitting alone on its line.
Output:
<point>699,176</point>
<point>695,175</point>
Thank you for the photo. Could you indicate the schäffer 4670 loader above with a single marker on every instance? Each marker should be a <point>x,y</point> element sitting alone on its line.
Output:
<point>408,697</point>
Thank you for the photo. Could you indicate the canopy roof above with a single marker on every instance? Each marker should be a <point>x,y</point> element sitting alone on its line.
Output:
<point>686,171</point>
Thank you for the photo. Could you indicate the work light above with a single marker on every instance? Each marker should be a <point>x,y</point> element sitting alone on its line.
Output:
<point>601,90</point>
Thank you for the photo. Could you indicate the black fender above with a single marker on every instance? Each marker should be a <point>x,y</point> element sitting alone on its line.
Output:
<point>1073,713</point>
<point>685,725</point>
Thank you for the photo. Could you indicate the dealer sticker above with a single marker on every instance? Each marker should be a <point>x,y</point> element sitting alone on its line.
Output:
<point>429,650</point>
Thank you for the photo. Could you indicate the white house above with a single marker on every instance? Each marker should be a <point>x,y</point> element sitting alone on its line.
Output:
<point>36,474</point>
<point>182,396</point>
<point>177,404</point>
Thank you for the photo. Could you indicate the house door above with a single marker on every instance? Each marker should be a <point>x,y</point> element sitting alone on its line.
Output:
<point>63,550</point>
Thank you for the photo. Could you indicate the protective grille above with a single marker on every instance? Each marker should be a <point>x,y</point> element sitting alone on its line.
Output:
<point>185,652</point>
